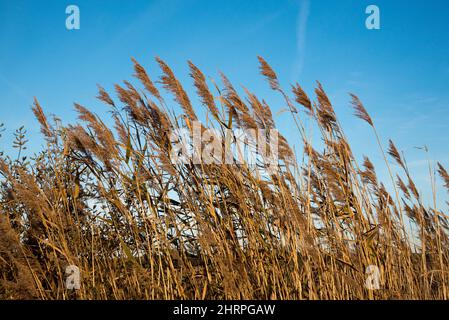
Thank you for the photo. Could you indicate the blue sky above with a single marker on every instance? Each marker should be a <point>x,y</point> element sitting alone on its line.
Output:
<point>400,72</point>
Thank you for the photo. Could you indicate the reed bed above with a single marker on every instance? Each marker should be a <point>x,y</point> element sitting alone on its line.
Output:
<point>110,200</point>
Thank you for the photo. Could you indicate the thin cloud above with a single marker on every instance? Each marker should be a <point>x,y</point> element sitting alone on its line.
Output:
<point>301,31</point>
<point>14,88</point>
<point>262,23</point>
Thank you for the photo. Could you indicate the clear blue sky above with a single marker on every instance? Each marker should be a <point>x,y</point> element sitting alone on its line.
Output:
<point>401,72</point>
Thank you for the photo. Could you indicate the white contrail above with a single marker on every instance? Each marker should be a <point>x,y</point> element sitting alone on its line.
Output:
<point>301,30</point>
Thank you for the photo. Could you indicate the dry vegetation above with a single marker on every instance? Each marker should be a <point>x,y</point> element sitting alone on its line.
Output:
<point>140,227</point>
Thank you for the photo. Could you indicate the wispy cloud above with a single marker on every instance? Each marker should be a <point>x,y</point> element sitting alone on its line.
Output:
<point>18,91</point>
<point>261,23</point>
<point>301,32</point>
<point>153,14</point>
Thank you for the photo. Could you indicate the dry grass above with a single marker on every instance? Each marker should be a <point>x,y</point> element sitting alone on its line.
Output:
<point>140,227</point>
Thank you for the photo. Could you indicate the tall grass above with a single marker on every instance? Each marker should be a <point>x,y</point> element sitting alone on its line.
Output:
<point>139,226</point>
